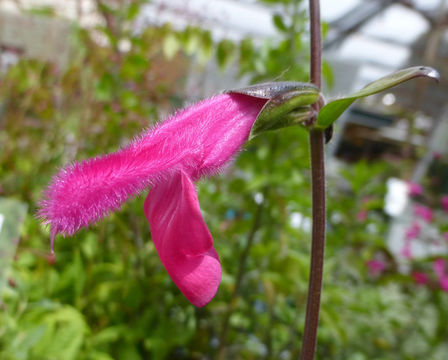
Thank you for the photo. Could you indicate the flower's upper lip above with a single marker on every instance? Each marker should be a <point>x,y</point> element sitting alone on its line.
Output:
<point>207,136</point>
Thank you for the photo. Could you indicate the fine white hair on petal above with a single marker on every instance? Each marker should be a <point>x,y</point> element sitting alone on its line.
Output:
<point>198,140</point>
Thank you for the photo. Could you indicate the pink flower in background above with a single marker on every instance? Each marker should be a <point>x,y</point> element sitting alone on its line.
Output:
<point>410,234</point>
<point>439,267</point>
<point>445,236</point>
<point>413,232</point>
<point>424,212</point>
<point>443,282</point>
<point>361,216</point>
<point>436,155</point>
<point>366,199</point>
<point>406,250</point>
<point>445,202</point>
<point>420,278</point>
<point>376,267</point>
<point>414,189</point>
<point>195,142</point>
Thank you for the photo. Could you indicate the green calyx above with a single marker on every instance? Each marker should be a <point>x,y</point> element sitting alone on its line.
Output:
<point>289,103</point>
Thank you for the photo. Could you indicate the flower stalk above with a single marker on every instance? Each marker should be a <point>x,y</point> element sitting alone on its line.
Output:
<point>317,141</point>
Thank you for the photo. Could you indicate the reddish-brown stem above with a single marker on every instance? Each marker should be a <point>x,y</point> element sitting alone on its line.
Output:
<point>315,44</point>
<point>317,245</point>
<point>318,198</point>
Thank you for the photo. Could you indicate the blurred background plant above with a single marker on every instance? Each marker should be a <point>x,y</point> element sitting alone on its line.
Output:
<point>107,296</point>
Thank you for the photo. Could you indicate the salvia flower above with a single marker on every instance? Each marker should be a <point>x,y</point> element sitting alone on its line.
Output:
<point>195,142</point>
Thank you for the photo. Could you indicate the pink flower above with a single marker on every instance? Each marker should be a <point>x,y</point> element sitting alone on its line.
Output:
<point>361,216</point>
<point>414,189</point>
<point>406,250</point>
<point>413,232</point>
<point>443,282</point>
<point>197,141</point>
<point>439,267</point>
<point>376,267</point>
<point>424,212</point>
<point>420,278</point>
<point>410,234</point>
<point>436,155</point>
<point>445,236</point>
<point>445,202</point>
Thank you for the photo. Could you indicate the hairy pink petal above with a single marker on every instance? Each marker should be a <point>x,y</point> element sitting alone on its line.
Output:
<point>198,141</point>
<point>182,239</point>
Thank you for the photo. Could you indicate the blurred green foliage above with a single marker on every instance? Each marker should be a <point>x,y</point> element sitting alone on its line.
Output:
<point>107,296</point>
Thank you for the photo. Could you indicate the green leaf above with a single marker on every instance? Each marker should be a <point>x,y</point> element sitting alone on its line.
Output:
<point>279,23</point>
<point>105,87</point>
<point>246,48</point>
<point>206,47</point>
<point>327,73</point>
<point>65,330</point>
<point>43,11</point>
<point>132,11</point>
<point>192,40</point>
<point>134,65</point>
<point>108,335</point>
<point>331,112</point>
<point>170,46</point>
<point>325,28</point>
<point>224,53</point>
<point>246,55</point>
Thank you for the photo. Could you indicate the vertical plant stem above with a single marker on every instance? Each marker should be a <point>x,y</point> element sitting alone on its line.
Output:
<point>239,277</point>
<point>318,198</point>
<point>317,245</point>
<point>316,44</point>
